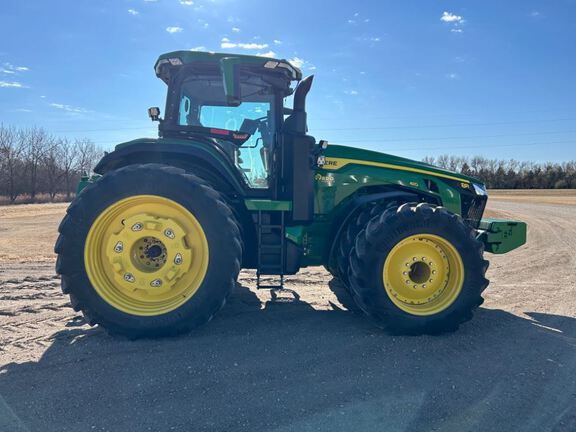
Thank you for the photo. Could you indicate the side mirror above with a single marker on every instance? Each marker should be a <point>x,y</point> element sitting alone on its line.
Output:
<point>249,126</point>
<point>154,113</point>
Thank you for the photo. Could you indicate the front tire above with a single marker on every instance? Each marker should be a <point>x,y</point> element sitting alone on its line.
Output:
<point>417,269</point>
<point>148,250</point>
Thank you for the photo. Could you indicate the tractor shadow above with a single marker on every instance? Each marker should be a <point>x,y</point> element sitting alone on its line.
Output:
<point>287,365</point>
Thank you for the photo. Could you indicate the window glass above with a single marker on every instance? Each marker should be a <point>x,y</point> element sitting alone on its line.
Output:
<point>250,158</point>
<point>203,103</point>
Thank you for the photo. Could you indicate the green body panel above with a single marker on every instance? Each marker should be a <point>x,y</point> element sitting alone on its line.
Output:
<point>334,185</point>
<point>267,205</point>
<point>377,157</point>
<point>296,234</point>
<point>209,150</point>
<point>501,236</point>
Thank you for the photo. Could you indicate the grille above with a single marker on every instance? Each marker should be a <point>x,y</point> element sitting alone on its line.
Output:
<point>473,209</point>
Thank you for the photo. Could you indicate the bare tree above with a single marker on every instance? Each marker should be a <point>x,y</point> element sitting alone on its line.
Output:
<point>87,155</point>
<point>511,174</point>
<point>68,160</point>
<point>11,166</point>
<point>50,168</point>
<point>35,141</point>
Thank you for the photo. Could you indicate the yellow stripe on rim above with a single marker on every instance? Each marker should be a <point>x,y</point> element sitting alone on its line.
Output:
<point>423,274</point>
<point>146,255</point>
<point>337,163</point>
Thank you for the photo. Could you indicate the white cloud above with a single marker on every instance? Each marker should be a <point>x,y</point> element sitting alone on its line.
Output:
<point>69,108</point>
<point>11,69</point>
<point>451,18</point>
<point>252,45</point>
<point>226,43</point>
<point>277,42</point>
<point>133,12</point>
<point>312,68</point>
<point>235,29</point>
<point>11,84</point>
<point>351,92</point>
<point>457,30</point>
<point>24,110</point>
<point>203,23</point>
<point>357,19</point>
<point>267,54</point>
<point>198,48</point>
<point>186,2</point>
<point>174,29</point>
<point>452,76</point>
<point>297,61</point>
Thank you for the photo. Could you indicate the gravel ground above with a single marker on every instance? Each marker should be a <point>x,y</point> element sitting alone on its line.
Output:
<point>298,362</point>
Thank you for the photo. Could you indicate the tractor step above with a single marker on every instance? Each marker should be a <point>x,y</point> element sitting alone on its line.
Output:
<point>271,231</point>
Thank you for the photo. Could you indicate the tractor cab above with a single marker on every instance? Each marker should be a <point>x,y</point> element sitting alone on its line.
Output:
<point>236,103</point>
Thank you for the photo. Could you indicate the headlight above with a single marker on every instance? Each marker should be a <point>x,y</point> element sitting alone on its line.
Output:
<point>479,189</point>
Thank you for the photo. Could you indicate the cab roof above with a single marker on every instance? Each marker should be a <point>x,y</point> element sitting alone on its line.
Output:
<point>178,58</point>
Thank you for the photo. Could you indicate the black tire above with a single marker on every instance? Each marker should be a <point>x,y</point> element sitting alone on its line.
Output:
<point>197,196</point>
<point>372,247</point>
<point>349,234</point>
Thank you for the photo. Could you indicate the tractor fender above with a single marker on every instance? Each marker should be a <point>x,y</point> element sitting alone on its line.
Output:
<point>353,207</point>
<point>208,161</point>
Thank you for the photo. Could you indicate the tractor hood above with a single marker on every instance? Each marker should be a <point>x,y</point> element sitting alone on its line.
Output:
<point>339,156</point>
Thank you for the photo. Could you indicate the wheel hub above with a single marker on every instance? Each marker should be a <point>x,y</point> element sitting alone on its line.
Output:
<point>149,254</point>
<point>423,274</point>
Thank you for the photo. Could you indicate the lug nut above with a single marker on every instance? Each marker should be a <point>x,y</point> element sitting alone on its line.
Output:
<point>118,247</point>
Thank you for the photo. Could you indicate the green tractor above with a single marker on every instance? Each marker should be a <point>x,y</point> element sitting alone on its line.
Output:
<point>154,241</point>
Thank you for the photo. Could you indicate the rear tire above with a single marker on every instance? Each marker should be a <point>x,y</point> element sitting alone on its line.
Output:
<point>187,288</point>
<point>392,270</point>
<point>349,234</point>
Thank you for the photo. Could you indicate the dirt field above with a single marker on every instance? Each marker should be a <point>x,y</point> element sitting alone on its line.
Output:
<point>296,363</point>
<point>539,196</point>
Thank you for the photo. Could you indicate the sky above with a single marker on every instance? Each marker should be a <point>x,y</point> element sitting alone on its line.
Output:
<point>412,78</point>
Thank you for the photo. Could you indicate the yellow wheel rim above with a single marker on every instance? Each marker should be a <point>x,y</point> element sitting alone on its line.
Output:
<point>146,255</point>
<point>423,274</point>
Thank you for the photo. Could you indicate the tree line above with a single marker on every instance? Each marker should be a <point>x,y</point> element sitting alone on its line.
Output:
<point>35,165</point>
<point>511,174</point>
